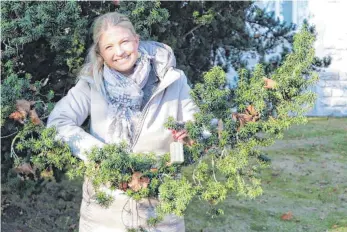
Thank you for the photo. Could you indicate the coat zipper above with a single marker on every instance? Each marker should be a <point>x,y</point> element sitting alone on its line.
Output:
<point>144,114</point>
<point>145,109</point>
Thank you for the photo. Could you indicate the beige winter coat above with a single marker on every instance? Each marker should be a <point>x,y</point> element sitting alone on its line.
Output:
<point>171,98</point>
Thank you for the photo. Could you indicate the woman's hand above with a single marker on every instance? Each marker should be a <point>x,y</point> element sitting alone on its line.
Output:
<point>182,136</point>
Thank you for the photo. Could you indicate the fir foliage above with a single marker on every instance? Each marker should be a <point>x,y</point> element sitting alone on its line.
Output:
<point>19,85</point>
<point>148,17</point>
<point>38,158</point>
<point>225,158</point>
<point>27,22</point>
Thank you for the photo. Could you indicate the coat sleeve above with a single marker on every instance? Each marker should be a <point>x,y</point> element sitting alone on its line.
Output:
<point>69,114</point>
<point>187,107</point>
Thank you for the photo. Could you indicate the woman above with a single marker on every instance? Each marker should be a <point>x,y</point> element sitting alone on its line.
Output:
<point>129,88</point>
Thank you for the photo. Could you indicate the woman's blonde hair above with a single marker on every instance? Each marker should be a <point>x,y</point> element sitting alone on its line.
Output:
<point>94,62</point>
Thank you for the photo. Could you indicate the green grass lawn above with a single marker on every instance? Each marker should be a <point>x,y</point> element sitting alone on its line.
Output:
<point>307,177</point>
<point>317,127</point>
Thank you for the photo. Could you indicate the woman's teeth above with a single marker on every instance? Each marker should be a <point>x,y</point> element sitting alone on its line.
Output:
<point>124,58</point>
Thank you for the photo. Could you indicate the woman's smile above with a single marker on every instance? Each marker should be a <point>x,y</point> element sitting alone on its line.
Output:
<point>123,59</point>
<point>119,48</point>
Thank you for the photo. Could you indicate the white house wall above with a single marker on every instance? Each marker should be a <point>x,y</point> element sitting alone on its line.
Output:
<point>330,20</point>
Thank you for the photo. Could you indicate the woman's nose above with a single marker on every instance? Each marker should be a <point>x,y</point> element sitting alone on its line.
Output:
<point>119,51</point>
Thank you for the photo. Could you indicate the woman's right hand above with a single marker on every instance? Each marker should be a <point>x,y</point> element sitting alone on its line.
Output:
<point>182,136</point>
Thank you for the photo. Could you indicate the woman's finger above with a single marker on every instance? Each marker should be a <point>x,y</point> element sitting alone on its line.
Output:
<point>187,141</point>
<point>181,134</point>
<point>182,137</point>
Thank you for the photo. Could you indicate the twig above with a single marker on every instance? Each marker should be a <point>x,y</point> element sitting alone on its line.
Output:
<point>6,136</point>
<point>223,152</point>
<point>126,203</point>
<point>17,49</point>
<point>194,174</point>
<point>41,102</point>
<point>44,117</point>
<point>13,153</point>
<point>214,174</point>
<point>191,31</point>
<point>7,45</point>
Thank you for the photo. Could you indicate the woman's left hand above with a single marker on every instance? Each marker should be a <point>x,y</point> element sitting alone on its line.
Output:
<point>182,136</point>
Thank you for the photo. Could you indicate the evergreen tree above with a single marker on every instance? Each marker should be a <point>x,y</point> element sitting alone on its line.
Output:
<point>41,43</point>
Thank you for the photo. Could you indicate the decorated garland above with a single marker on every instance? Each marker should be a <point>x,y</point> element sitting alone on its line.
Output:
<point>227,132</point>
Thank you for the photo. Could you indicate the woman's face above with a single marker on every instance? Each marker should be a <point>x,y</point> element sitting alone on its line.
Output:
<point>118,47</point>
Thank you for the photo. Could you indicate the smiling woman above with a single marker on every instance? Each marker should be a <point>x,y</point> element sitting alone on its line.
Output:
<point>129,88</point>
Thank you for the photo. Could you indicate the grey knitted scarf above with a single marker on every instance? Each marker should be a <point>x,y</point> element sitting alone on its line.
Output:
<point>124,95</point>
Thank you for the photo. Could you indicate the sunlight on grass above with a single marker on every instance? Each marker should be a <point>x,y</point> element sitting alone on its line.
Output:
<point>317,127</point>
<point>307,177</point>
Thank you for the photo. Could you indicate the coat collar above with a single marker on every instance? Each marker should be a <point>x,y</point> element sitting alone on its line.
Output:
<point>162,57</point>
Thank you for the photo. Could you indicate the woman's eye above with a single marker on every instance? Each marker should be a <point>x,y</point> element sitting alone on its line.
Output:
<point>125,41</point>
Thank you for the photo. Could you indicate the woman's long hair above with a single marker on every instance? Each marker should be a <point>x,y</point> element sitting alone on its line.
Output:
<point>94,62</point>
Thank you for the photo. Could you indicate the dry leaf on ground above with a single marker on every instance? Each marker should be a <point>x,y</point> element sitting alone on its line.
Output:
<point>287,216</point>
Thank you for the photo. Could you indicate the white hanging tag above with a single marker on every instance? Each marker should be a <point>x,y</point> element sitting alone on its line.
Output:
<point>176,153</point>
